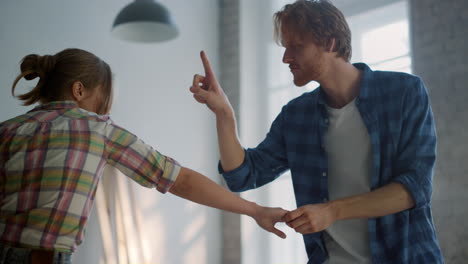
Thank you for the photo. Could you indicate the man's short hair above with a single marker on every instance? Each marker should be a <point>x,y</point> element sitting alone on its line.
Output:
<point>318,20</point>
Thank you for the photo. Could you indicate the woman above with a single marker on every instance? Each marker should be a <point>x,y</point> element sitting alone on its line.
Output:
<point>51,160</point>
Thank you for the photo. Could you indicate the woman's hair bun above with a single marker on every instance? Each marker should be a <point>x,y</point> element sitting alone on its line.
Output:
<point>57,74</point>
<point>37,66</point>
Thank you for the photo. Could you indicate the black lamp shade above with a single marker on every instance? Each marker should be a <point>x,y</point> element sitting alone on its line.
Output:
<point>144,21</point>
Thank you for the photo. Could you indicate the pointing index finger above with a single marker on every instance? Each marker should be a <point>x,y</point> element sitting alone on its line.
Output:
<point>206,64</point>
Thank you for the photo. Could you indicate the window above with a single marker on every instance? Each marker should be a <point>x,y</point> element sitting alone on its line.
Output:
<point>380,38</point>
<point>396,56</point>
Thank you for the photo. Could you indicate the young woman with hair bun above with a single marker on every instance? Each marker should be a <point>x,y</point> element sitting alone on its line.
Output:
<point>52,157</point>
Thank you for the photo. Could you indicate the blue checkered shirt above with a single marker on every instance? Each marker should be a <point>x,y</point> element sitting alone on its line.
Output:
<point>396,110</point>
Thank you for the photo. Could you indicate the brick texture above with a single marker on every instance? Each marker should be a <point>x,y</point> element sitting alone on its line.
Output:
<point>230,80</point>
<point>439,39</point>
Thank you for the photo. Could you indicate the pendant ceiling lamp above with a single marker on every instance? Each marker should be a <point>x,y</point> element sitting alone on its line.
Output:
<point>144,21</point>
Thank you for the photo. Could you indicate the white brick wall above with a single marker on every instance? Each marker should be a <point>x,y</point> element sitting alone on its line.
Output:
<point>229,77</point>
<point>439,34</point>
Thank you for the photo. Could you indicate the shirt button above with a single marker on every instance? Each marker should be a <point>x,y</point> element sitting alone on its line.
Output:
<point>326,121</point>
<point>325,200</point>
<point>324,174</point>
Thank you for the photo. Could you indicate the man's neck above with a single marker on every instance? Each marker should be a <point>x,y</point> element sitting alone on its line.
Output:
<point>341,83</point>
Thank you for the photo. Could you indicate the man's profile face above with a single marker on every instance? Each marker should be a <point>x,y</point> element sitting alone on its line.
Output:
<point>305,58</point>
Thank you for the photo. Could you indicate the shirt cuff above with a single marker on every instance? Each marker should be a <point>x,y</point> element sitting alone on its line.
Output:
<point>169,176</point>
<point>235,178</point>
<point>416,189</point>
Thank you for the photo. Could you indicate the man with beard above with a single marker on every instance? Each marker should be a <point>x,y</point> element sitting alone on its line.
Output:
<point>361,147</point>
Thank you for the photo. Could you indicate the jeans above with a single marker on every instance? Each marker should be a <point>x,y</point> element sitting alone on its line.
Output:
<point>15,255</point>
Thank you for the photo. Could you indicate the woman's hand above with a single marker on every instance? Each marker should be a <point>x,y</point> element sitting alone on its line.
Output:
<point>311,218</point>
<point>267,217</point>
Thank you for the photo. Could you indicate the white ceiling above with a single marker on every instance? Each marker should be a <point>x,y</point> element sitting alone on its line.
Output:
<point>353,7</point>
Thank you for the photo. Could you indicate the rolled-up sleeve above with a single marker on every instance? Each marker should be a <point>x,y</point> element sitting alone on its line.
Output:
<point>262,164</point>
<point>236,178</point>
<point>139,161</point>
<point>417,145</point>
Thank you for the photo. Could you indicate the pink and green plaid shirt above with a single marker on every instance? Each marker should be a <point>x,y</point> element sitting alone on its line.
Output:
<point>51,160</point>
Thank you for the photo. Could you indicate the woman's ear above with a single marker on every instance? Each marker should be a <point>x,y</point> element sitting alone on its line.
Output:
<point>78,91</point>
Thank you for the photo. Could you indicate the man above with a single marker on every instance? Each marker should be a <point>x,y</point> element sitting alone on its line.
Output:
<point>361,147</point>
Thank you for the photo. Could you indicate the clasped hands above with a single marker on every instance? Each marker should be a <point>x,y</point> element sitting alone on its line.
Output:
<point>306,219</point>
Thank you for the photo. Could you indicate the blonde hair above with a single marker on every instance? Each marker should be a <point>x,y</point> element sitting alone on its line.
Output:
<point>318,20</point>
<point>58,72</point>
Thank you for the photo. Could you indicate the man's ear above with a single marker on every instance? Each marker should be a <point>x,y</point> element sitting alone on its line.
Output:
<point>78,91</point>
<point>331,46</point>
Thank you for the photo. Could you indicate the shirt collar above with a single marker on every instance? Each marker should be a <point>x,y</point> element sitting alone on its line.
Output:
<point>366,78</point>
<point>56,105</point>
<point>364,87</point>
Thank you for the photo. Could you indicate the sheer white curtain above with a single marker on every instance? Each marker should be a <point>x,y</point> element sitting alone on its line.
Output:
<point>120,222</point>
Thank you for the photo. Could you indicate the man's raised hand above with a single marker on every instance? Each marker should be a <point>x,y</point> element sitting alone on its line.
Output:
<point>206,89</point>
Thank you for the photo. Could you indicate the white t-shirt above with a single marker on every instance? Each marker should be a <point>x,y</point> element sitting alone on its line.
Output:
<point>349,151</point>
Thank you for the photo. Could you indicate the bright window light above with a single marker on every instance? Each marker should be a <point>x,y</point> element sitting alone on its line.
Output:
<point>387,47</point>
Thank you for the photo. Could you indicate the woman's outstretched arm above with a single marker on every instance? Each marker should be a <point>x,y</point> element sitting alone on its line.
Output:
<point>198,188</point>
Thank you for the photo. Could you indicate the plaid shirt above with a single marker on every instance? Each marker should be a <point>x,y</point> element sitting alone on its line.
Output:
<point>51,160</point>
<point>396,111</point>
